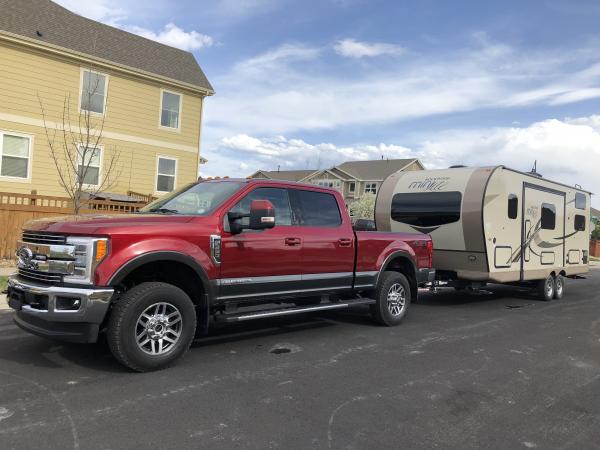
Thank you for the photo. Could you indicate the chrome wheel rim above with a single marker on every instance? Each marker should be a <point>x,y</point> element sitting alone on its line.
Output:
<point>559,286</point>
<point>158,328</point>
<point>549,287</point>
<point>396,299</point>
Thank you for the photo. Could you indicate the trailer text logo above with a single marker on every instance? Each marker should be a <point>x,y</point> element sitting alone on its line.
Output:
<point>430,184</point>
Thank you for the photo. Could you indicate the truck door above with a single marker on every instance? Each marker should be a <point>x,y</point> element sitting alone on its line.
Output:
<point>542,237</point>
<point>265,263</point>
<point>327,241</point>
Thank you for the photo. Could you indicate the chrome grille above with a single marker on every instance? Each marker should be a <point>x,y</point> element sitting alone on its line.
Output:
<point>43,277</point>
<point>34,237</point>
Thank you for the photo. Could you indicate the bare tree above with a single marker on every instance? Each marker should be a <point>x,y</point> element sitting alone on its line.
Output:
<point>76,143</point>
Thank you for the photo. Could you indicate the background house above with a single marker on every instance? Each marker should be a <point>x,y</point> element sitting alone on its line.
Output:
<point>352,178</point>
<point>150,96</point>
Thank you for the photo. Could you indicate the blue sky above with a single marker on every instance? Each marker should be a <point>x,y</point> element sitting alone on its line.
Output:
<point>307,84</point>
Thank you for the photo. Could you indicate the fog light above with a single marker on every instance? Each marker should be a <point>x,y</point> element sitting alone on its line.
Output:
<point>68,303</point>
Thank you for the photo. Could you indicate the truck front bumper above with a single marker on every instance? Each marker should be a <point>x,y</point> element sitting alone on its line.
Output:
<point>57,312</point>
<point>425,276</point>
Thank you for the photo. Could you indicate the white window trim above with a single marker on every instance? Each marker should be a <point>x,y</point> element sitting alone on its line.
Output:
<point>160,125</point>
<point>30,157</point>
<point>172,158</point>
<point>93,113</point>
<point>92,186</point>
<point>371,183</point>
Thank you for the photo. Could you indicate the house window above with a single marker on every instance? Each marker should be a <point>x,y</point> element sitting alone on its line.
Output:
<point>165,174</point>
<point>89,163</point>
<point>15,154</point>
<point>170,109</point>
<point>371,188</point>
<point>352,187</point>
<point>93,91</point>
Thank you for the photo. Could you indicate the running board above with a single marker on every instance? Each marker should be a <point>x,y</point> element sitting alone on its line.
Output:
<point>239,317</point>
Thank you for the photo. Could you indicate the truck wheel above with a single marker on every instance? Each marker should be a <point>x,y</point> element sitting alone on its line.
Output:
<point>151,326</point>
<point>559,287</point>
<point>546,288</point>
<point>393,299</point>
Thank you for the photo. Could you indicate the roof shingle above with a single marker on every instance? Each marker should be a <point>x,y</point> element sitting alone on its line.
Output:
<point>63,28</point>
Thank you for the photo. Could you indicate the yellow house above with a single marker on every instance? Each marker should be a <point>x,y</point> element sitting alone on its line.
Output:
<point>57,67</point>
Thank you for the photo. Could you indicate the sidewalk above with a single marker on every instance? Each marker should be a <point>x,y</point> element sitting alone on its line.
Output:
<point>4,272</point>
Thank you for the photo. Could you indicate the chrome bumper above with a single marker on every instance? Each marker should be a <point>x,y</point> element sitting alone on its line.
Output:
<point>36,309</point>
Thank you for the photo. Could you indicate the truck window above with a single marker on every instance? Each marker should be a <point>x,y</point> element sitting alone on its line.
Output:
<point>426,209</point>
<point>579,200</point>
<point>277,196</point>
<point>513,206</point>
<point>548,221</point>
<point>315,209</point>
<point>579,222</point>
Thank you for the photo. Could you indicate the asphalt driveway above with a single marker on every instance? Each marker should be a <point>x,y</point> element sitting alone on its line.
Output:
<point>463,371</point>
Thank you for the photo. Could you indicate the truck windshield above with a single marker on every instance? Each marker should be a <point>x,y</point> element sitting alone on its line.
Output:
<point>198,199</point>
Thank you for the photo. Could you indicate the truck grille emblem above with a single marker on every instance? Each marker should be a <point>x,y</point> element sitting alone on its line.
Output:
<point>25,258</point>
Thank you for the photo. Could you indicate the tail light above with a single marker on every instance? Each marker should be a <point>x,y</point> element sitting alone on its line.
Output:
<point>423,252</point>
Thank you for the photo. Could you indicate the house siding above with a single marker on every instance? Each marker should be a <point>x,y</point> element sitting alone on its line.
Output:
<point>131,124</point>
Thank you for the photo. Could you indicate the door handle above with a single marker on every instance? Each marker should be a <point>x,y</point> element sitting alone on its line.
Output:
<point>292,242</point>
<point>345,242</point>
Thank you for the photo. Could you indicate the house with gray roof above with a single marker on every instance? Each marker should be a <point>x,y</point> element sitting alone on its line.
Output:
<point>352,178</point>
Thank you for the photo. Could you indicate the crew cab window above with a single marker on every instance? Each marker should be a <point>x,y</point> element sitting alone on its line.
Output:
<point>426,209</point>
<point>315,209</point>
<point>548,221</point>
<point>277,196</point>
<point>579,222</point>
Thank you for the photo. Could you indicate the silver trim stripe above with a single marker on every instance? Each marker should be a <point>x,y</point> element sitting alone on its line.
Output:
<point>282,278</point>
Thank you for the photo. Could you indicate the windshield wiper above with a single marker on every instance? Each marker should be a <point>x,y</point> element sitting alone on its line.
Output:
<point>163,210</point>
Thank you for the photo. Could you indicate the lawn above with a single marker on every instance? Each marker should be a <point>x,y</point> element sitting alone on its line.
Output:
<point>3,281</point>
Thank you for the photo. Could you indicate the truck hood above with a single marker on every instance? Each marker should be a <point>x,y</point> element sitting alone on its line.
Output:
<point>103,223</point>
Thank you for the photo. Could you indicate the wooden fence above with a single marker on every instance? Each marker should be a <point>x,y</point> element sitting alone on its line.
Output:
<point>595,248</point>
<point>17,209</point>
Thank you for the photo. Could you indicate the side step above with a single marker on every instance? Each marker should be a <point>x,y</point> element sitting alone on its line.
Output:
<point>276,312</point>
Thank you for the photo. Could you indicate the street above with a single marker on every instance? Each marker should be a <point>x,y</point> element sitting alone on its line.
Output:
<point>501,371</point>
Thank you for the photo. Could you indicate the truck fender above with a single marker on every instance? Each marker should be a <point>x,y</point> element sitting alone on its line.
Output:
<point>140,260</point>
<point>407,258</point>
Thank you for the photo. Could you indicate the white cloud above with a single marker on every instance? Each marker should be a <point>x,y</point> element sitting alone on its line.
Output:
<point>276,59</point>
<point>355,49</point>
<point>115,14</point>
<point>174,36</point>
<point>566,150</point>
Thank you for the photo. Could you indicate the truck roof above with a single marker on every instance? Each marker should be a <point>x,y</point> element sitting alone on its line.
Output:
<point>267,181</point>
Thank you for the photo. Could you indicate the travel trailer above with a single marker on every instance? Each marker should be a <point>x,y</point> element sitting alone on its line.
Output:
<point>492,224</point>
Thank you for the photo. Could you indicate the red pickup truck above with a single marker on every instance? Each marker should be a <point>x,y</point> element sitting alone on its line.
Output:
<point>223,250</point>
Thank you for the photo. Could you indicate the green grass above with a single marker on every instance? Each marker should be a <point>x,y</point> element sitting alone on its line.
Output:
<point>3,282</point>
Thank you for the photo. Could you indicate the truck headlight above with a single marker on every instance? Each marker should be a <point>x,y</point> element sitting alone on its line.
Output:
<point>89,252</point>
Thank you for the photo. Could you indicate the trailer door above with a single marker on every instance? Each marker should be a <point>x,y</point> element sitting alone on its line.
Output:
<point>543,230</point>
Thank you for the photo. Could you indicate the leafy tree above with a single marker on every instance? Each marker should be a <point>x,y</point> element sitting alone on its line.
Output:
<point>364,207</point>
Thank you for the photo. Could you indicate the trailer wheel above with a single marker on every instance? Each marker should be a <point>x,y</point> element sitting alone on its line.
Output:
<point>559,287</point>
<point>393,298</point>
<point>151,326</point>
<point>546,288</point>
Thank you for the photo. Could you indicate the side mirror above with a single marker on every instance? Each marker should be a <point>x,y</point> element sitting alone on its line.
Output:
<point>262,215</point>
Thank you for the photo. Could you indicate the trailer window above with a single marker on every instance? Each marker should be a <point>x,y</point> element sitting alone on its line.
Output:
<point>513,206</point>
<point>579,222</point>
<point>548,221</point>
<point>426,209</point>
<point>579,200</point>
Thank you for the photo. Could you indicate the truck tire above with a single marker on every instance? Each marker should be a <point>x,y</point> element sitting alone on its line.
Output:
<point>393,296</point>
<point>151,326</point>
<point>546,288</point>
<point>559,287</point>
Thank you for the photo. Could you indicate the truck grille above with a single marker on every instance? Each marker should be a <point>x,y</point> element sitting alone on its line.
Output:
<point>43,277</point>
<point>33,237</point>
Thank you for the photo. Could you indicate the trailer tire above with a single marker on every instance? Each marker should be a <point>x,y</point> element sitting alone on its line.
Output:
<point>559,287</point>
<point>151,326</point>
<point>545,288</point>
<point>393,297</point>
